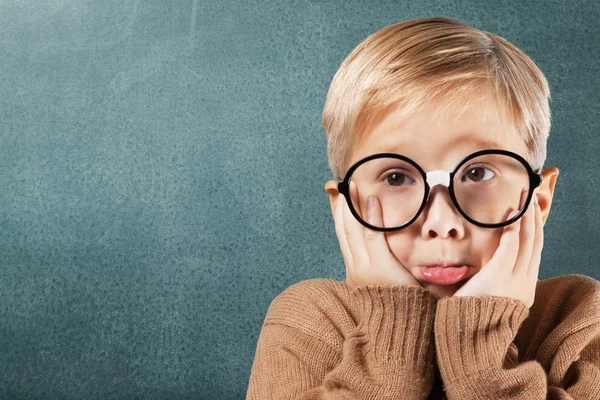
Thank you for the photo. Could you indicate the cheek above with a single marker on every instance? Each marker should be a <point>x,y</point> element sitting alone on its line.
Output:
<point>401,245</point>
<point>484,243</point>
<point>479,244</point>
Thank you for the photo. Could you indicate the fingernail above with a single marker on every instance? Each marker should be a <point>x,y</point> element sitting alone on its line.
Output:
<point>370,201</point>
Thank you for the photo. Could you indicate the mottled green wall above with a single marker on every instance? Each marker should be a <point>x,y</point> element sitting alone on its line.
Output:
<point>162,167</point>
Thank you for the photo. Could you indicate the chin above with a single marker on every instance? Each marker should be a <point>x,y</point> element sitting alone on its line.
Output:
<point>441,291</point>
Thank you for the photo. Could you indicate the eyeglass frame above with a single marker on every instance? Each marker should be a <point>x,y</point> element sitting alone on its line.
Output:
<point>444,178</point>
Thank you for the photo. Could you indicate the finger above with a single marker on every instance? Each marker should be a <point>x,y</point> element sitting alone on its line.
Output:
<point>355,232</point>
<point>538,245</point>
<point>505,256</point>
<point>526,239</point>
<point>376,243</point>
<point>340,231</point>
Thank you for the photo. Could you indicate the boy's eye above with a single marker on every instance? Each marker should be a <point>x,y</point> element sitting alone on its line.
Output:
<point>477,174</point>
<point>396,179</point>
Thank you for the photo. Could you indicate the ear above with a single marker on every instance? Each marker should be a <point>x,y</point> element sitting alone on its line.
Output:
<point>331,189</point>
<point>545,192</point>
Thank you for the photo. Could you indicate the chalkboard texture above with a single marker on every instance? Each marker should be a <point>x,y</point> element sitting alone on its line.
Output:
<point>162,167</point>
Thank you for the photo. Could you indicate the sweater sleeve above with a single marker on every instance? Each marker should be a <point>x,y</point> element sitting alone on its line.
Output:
<point>478,359</point>
<point>388,354</point>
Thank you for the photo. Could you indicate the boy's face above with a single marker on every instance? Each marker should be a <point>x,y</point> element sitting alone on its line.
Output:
<point>439,136</point>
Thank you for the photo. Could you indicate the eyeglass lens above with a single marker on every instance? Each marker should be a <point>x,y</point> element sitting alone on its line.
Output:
<point>486,187</point>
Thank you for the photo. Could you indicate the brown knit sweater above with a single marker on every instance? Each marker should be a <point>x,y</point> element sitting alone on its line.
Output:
<point>321,340</point>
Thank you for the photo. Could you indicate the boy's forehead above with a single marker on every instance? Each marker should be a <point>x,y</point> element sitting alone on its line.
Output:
<point>440,134</point>
<point>461,143</point>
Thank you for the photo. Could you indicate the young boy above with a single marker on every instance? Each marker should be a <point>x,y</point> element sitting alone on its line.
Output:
<point>436,137</point>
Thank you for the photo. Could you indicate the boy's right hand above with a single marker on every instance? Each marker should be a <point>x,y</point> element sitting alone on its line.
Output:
<point>366,253</point>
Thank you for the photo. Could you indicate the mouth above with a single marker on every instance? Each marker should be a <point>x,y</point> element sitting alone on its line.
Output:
<point>444,274</point>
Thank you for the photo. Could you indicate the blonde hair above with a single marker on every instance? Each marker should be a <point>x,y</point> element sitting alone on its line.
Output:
<point>413,62</point>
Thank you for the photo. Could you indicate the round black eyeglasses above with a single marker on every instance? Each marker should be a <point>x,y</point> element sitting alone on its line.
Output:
<point>438,177</point>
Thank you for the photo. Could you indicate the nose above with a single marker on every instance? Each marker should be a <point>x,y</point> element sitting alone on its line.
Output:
<point>440,216</point>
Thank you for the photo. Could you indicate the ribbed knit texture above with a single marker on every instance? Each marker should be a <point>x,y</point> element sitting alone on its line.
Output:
<point>321,340</point>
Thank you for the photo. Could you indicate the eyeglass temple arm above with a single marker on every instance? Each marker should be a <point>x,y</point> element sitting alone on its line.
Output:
<point>539,174</point>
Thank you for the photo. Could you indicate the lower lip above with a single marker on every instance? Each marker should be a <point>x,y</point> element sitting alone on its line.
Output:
<point>444,276</point>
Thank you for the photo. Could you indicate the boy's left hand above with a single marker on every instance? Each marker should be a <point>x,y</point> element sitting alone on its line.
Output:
<point>513,270</point>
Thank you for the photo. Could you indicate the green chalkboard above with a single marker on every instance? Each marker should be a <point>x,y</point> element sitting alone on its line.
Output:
<point>162,167</point>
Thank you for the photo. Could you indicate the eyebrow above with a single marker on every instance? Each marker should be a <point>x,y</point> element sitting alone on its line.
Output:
<point>472,141</point>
